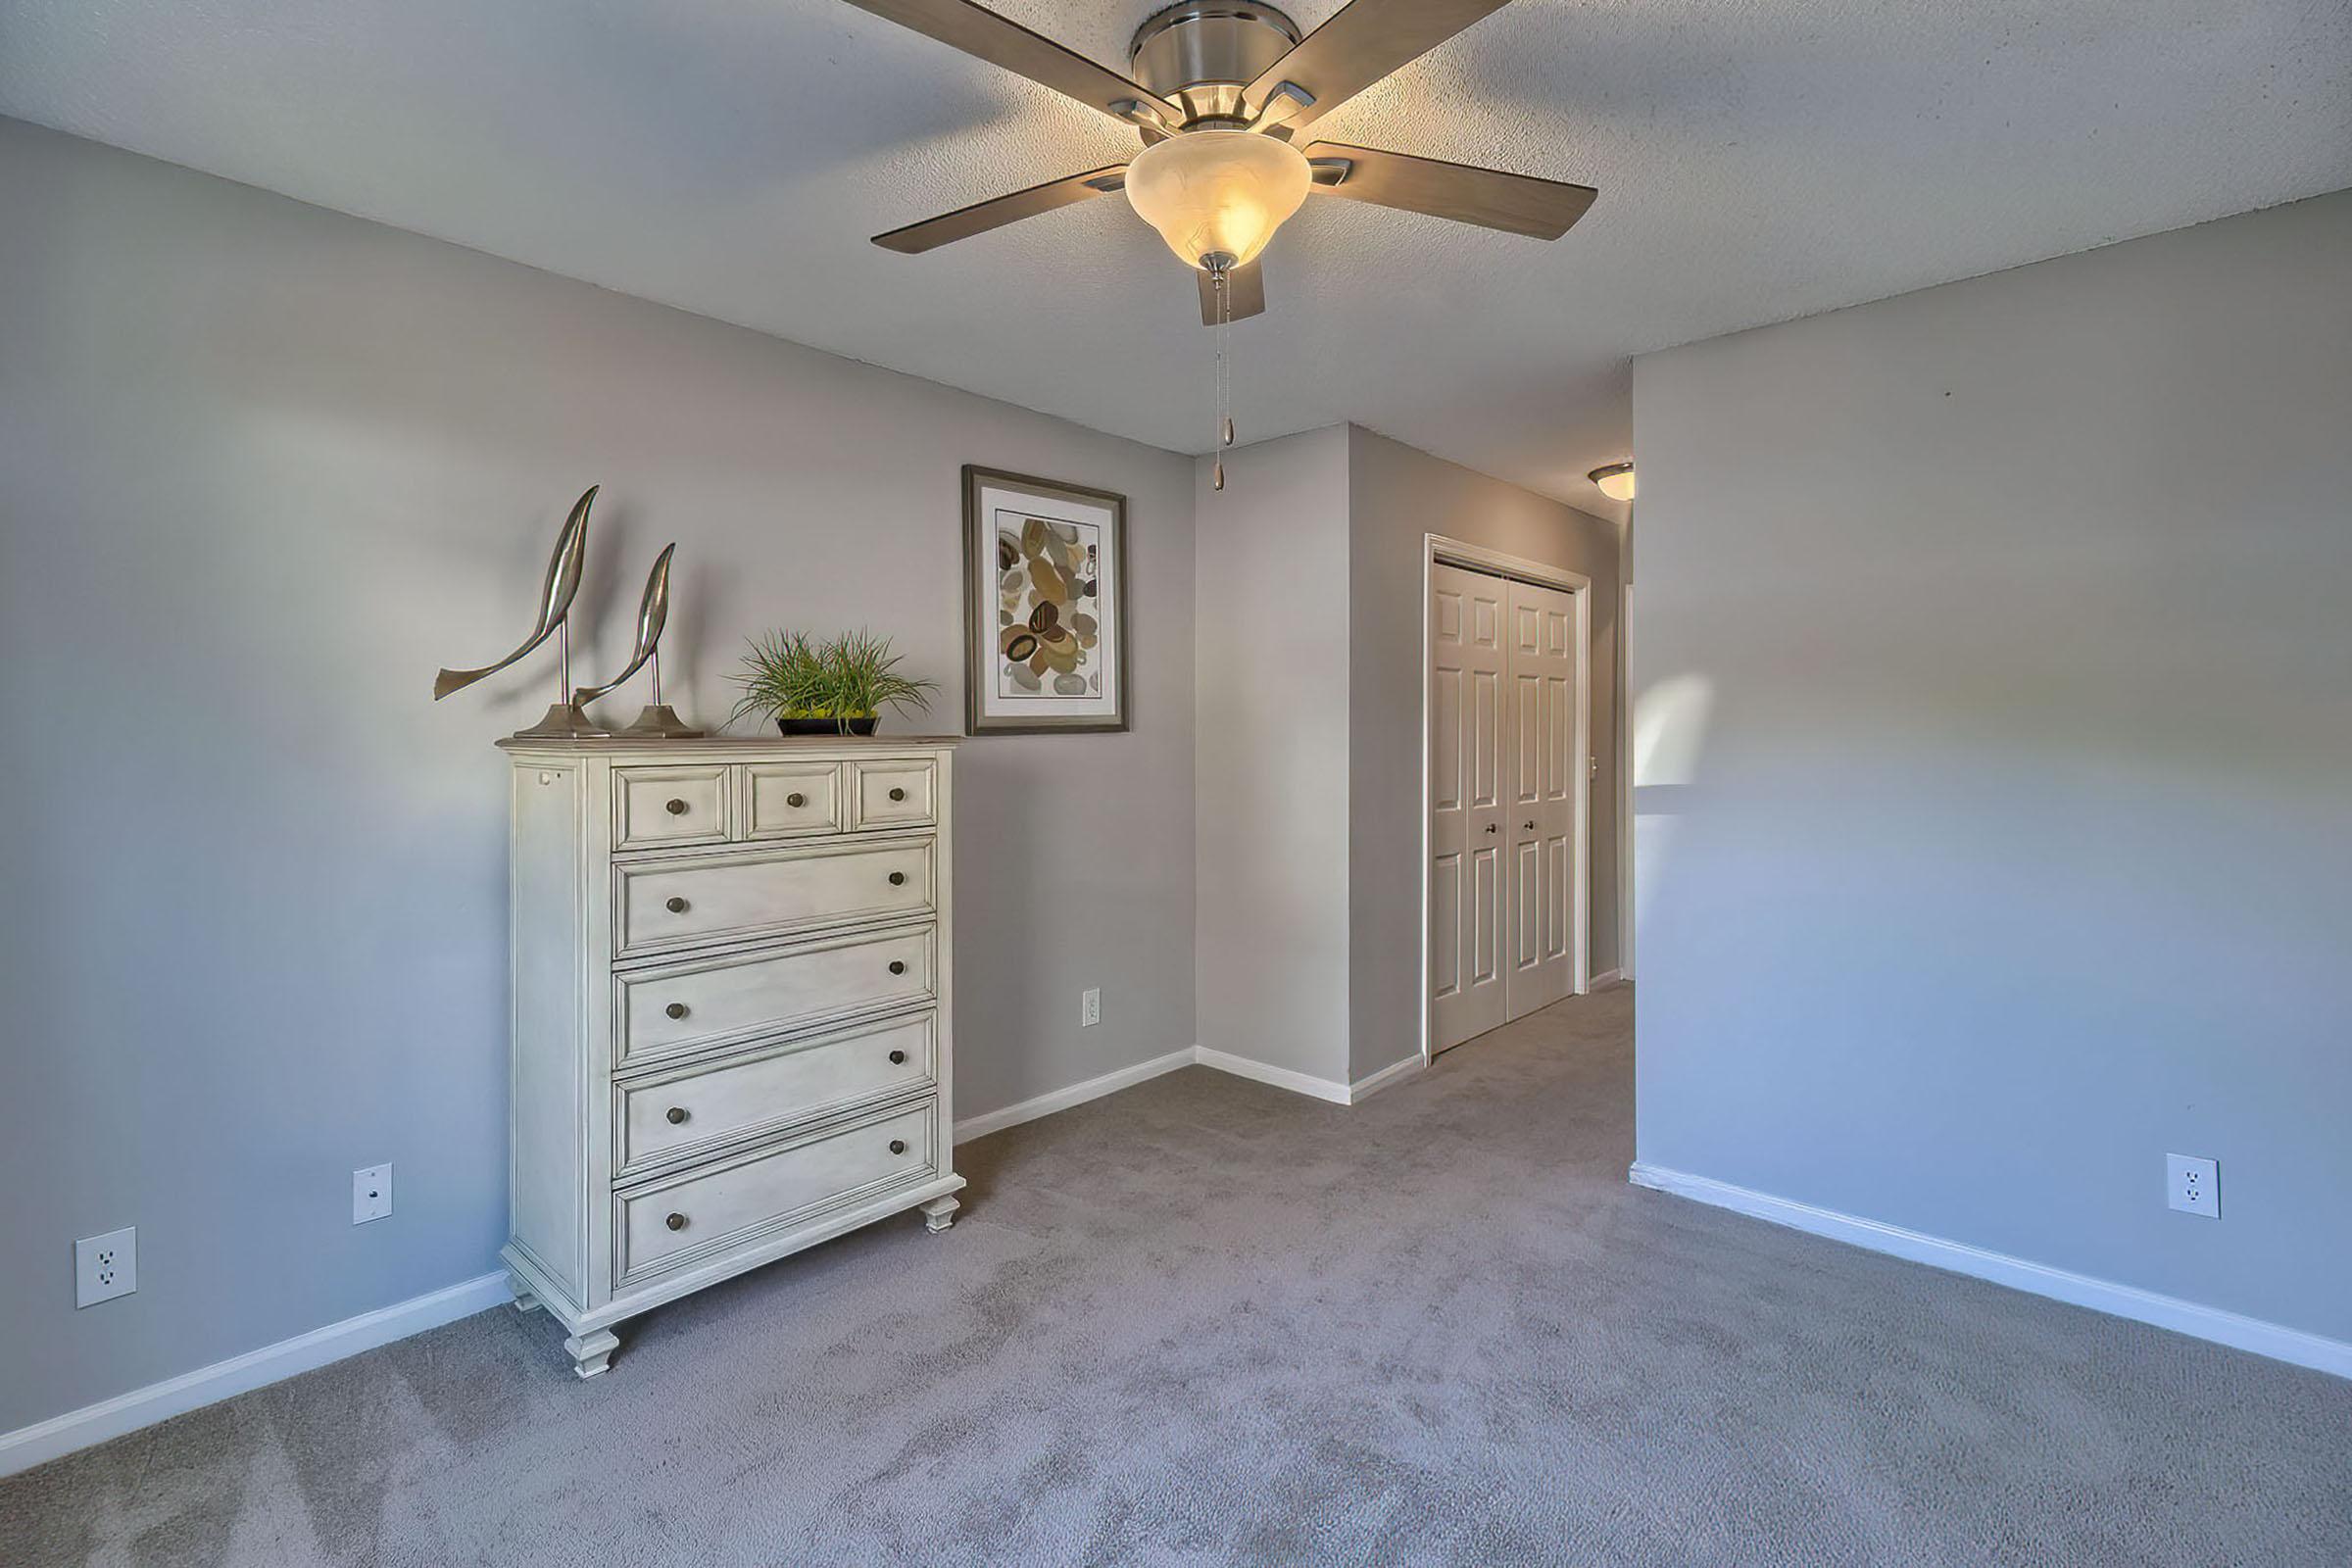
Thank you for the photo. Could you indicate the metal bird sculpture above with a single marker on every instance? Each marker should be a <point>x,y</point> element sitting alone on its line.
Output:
<point>554,605</point>
<point>653,613</point>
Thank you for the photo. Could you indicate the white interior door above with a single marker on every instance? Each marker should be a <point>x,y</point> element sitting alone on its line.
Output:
<point>1468,768</point>
<point>1546,772</point>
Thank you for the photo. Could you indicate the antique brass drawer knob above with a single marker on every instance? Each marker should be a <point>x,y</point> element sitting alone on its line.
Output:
<point>678,1115</point>
<point>796,800</point>
<point>898,1058</point>
<point>676,1222</point>
<point>898,966</point>
<point>675,906</point>
<point>677,807</point>
<point>898,795</point>
<point>898,1146</point>
<point>676,1010</point>
<point>897,879</point>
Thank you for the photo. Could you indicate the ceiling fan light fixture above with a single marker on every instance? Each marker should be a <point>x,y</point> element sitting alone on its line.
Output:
<point>1217,193</point>
<point>1616,480</point>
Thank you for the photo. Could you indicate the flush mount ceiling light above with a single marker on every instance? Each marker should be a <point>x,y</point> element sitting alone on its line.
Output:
<point>1222,89</point>
<point>1616,480</point>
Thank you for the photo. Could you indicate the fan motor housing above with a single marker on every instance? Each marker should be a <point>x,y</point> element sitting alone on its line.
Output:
<point>1201,53</point>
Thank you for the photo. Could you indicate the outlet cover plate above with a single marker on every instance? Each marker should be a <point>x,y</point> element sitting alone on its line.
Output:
<point>105,1266</point>
<point>371,1194</point>
<point>2193,1185</point>
<point>1090,1007</point>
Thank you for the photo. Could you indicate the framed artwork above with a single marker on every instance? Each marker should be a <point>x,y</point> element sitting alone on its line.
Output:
<point>1045,606</point>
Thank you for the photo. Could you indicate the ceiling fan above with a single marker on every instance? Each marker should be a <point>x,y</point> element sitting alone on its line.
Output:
<point>1225,89</point>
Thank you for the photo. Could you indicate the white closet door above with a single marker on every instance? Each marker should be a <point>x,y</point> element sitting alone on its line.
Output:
<point>1545,773</point>
<point>1468,772</point>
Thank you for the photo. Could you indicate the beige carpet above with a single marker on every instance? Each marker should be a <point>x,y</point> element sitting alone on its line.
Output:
<point>1209,1322</point>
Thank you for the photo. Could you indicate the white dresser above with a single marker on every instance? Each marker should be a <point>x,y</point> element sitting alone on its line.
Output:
<point>732,961</point>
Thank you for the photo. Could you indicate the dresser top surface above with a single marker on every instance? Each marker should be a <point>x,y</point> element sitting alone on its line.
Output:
<point>665,746</point>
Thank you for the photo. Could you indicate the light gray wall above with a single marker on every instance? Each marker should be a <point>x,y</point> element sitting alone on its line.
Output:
<point>1271,768</point>
<point>1397,496</point>
<point>2011,845</point>
<point>262,469</point>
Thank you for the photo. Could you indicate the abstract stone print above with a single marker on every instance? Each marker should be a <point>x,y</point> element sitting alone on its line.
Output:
<point>1048,609</point>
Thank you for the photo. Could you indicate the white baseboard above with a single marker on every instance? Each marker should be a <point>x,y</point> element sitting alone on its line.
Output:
<point>1300,1083</point>
<point>1280,1077</point>
<point>1371,1084</point>
<point>44,1441</point>
<point>2232,1329</point>
<point>1110,1083</point>
<point>1605,979</point>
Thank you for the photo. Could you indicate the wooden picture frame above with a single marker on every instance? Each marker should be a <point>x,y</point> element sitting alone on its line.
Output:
<point>1045,641</point>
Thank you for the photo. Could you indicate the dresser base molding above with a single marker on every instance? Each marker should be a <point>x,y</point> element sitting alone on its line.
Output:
<point>644,1298</point>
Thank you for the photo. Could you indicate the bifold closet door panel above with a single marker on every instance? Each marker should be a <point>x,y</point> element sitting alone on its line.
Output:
<point>1541,657</point>
<point>1470,769</point>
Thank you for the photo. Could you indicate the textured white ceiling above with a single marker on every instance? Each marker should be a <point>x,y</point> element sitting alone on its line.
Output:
<point>1757,160</point>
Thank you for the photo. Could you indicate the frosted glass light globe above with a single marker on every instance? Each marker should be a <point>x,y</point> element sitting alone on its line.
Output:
<point>1217,192</point>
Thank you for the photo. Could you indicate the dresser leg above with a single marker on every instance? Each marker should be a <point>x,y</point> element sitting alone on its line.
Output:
<point>592,1353</point>
<point>524,1302</point>
<point>940,1213</point>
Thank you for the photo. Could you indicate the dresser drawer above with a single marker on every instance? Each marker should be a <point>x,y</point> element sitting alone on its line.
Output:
<point>667,1117</point>
<point>670,805</point>
<point>710,1003</point>
<point>784,800</point>
<point>714,1209</point>
<point>891,793</point>
<point>683,902</point>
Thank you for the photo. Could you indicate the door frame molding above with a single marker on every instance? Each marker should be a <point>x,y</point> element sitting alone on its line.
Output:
<point>1439,550</point>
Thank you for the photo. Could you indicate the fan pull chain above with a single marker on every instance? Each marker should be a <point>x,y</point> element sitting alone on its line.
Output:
<point>1221,279</point>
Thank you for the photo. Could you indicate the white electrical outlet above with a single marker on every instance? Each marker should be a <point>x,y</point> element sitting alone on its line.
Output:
<point>371,1194</point>
<point>1089,1009</point>
<point>105,1266</point>
<point>2193,1185</point>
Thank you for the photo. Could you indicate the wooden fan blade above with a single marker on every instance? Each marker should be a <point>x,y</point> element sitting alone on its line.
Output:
<point>1518,204</point>
<point>996,211</point>
<point>1362,42</point>
<point>1247,284</point>
<point>1001,41</point>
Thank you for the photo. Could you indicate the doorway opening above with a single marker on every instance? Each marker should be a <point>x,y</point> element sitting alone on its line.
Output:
<point>1507,769</point>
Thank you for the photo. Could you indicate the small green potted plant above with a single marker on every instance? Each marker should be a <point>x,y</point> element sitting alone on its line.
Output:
<point>826,688</point>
